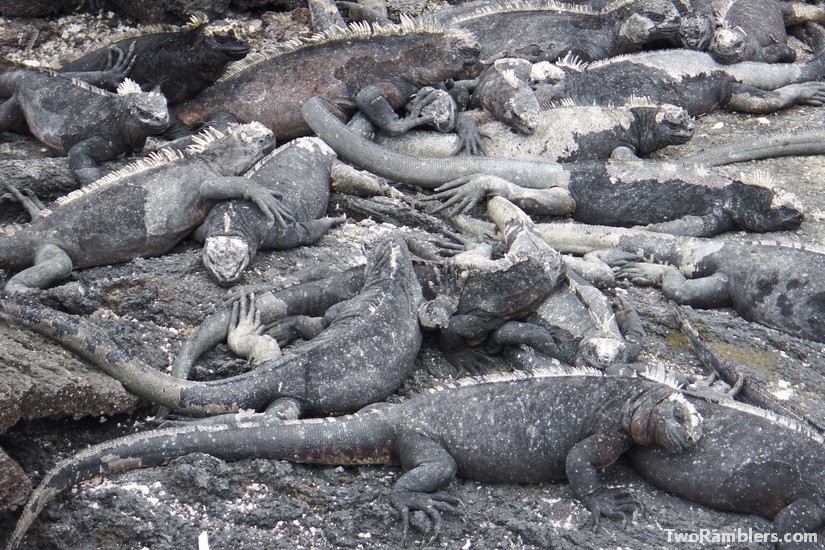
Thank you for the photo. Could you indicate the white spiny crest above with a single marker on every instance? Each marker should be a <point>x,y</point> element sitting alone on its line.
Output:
<point>545,372</point>
<point>639,101</point>
<point>202,140</point>
<point>161,157</point>
<point>510,78</point>
<point>659,374</point>
<point>197,19</point>
<point>572,62</point>
<point>508,6</point>
<point>559,104</point>
<point>129,86</point>
<point>771,416</point>
<point>759,177</point>
<point>354,31</point>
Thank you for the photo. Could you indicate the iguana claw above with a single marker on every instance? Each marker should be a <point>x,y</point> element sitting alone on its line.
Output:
<point>432,504</point>
<point>612,504</point>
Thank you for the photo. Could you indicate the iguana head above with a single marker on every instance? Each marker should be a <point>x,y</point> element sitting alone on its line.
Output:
<point>662,416</point>
<point>505,92</point>
<point>758,204</point>
<point>147,109</point>
<point>730,45</point>
<point>662,125</point>
<point>696,31</point>
<point>225,38</point>
<point>226,257</point>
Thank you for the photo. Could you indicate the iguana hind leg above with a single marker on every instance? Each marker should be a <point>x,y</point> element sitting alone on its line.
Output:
<point>27,199</point>
<point>801,516</point>
<point>51,264</point>
<point>429,468</point>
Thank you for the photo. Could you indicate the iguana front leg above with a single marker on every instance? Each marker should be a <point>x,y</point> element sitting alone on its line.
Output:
<point>51,264</point>
<point>752,100</point>
<point>375,101</point>
<point>245,337</point>
<point>429,468</point>
<point>584,460</point>
<point>84,156</point>
<point>705,293</point>
<point>118,66</point>
<point>237,187</point>
<point>462,194</point>
<point>708,225</point>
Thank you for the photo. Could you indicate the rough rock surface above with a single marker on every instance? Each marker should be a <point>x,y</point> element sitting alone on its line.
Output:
<point>52,404</point>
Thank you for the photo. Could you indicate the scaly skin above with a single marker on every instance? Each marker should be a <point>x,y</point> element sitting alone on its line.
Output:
<point>546,30</point>
<point>402,59</point>
<point>86,123</point>
<point>748,462</point>
<point>362,357</point>
<point>543,427</point>
<point>781,287</point>
<point>234,231</point>
<point>182,63</point>
<point>142,210</point>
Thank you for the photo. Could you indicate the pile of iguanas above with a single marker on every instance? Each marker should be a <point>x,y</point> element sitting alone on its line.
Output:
<point>463,132</point>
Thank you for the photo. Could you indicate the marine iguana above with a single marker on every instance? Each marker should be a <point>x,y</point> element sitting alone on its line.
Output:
<point>585,329</point>
<point>755,30</point>
<point>743,387</point>
<point>767,145</point>
<point>361,358</point>
<point>482,297</point>
<point>621,192</point>
<point>748,461</point>
<point>181,63</point>
<point>692,80</point>
<point>567,133</point>
<point>402,59</point>
<point>77,119</point>
<point>512,428</point>
<point>543,30</point>
<point>234,231</point>
<point>782,287</point>
<point>144,209</point>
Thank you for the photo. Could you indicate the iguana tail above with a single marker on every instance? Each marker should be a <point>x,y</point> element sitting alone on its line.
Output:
<point>362,438</point>
<point>761,147</point>
<point>91,343</point>
<point>424,171</point>
<point>751,391</point>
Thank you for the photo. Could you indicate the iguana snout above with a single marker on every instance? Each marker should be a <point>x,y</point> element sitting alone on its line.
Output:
<point>228,38</point>
<point>226,257</point>
<point>696,31</point>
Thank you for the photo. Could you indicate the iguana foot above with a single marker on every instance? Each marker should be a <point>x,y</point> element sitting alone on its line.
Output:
<point>612,504</point>
<point>432,504</point>
<point>642,274</point>
<point>469,361</point>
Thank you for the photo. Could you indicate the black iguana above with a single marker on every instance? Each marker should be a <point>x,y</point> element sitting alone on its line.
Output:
<point>377,67</point>
<point>483,298</point>
<point>144,209</point>
<point>546,29</point>
<point>361,358</point>
<point>86,123</point>
<point>234,231</point>
<point>619,191</point>
<point>782,287</point>
<point>181,63</point>
<point>755,30</point>
<point>748,461</point>
<point>545,426</point>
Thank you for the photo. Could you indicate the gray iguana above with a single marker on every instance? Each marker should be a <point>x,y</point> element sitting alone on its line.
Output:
<point>782,287</point>
<point>181,63</point>
<point>566,133</point>
<point>377,67</point>
<point>546,426</point>
<point>363,355</point>
<point>621,192</point>
<point>144,209</point>
<point>86,123</point>
<point>233,231</point>
<point>748,461</point>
